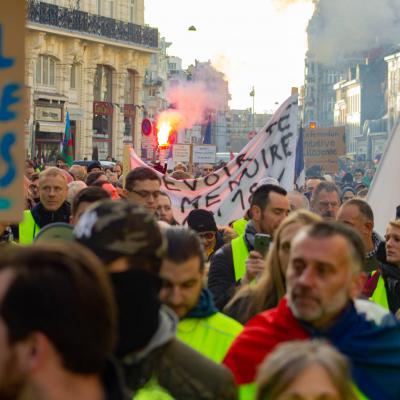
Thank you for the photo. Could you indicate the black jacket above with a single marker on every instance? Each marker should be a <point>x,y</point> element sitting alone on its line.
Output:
<point>221,276</point>
<point>112,381</point>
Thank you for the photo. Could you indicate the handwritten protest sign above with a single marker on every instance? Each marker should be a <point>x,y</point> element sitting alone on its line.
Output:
<point>181,153</point>
<point>323,147</point>
<point>227,191</point>
<point>204,154</point>
<point>12,59</point>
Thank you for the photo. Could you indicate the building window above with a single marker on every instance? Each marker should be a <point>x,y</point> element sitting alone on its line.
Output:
<point>74,76</point>
<point>132,11</point>
<point>45,71</point>
<point>102,90</point>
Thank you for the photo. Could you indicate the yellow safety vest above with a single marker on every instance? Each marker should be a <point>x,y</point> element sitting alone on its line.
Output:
<point>211,336</point>
<point>379,296</point>
<point>28,229</point>
<point>240,253</point>
<point>152,391</point>
<point>239,226</point>
<point>248,392</point>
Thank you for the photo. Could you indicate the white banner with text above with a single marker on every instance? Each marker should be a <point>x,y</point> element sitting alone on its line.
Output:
<point>227,191</point>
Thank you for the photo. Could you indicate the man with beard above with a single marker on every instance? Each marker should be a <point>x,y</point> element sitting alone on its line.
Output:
<point>57,326</point>
<point>53,207</point>
<point>325,200</point>
<point>157,365</point>
<point>182,271</point>
<point>238,263</point>
<point>323,279</point>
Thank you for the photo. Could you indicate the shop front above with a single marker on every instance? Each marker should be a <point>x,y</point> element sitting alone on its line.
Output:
<point>48,130</point>
<point>102,129</point>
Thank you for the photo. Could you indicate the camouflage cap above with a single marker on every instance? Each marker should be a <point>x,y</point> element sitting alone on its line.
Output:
<point>114,229</point>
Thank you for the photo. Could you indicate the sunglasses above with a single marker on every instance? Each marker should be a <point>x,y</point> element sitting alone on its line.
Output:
<point>207,235</point>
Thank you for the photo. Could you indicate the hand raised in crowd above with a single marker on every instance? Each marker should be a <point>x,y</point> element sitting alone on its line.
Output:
<point>255,265</point>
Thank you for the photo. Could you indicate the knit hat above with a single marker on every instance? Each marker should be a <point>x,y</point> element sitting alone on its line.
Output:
<point>202,221</point>
<point>268,181</point>
<point>92,165</point>
<point>114,229</point>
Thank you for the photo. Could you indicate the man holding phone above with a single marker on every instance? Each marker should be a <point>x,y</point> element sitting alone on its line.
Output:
<point>240,262</point>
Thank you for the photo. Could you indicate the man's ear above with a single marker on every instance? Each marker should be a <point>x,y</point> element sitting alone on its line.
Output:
<point>33,352</point>
<point>255,213</point>
<point>369,226</point>
<point>358,283</point>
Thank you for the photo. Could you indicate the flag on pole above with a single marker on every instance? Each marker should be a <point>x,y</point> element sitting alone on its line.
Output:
<point>299,169</point>
<point>207,135</point>
<point>67,145</point>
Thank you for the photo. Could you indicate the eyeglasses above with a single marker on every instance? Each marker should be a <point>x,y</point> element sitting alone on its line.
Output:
<point>145,194</point>
<point>326,204</point>
<point>207,235</point>
<point>208,169</point>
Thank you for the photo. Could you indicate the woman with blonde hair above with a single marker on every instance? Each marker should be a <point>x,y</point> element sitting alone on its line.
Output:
<point>305,370</point>
<point>270,288</point>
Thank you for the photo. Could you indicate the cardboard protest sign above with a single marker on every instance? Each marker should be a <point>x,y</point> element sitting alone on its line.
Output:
<point>227,191</point>
<point>12,67</point>
<point>323,147</point>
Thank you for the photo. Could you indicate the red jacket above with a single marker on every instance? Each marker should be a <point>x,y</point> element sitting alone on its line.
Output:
<point>259,338</point>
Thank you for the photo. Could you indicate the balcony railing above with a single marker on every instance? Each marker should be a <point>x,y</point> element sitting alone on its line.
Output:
<point>82,22</point>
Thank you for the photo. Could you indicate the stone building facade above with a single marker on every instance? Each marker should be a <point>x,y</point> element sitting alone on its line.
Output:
<point>88,58</point>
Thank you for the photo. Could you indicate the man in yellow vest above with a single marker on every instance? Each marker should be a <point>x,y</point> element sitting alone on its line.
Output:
<point>237,263</point>
<point>53,207</point>
<point>201,326</point>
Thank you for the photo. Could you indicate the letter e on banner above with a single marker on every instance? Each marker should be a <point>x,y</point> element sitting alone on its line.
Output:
<point>12,67</point>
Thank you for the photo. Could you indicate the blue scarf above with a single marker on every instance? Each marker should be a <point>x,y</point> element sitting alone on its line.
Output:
<point>205,307</point>
<point>374,352</point>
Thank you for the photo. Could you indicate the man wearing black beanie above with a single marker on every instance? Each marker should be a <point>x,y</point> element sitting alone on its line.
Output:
<point>130,243</point>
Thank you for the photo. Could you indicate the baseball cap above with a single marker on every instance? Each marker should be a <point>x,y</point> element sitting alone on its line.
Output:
<point>114,229</point>
<point>202,221</point>
<point>93,164</point>
<point>55,231</point>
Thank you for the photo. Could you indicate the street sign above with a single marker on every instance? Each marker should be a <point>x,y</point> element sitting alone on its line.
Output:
<point>204,154</point>
<point>181,153</point>
<point>12,68</point>
<point>147,127</point>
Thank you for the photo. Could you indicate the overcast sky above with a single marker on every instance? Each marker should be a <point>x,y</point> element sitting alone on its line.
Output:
<point>252,42</point>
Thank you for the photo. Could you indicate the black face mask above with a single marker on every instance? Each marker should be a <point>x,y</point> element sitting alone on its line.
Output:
<point>137,296</point>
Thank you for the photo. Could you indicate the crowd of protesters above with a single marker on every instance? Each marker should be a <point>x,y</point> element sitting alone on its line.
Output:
<point>103,295</point>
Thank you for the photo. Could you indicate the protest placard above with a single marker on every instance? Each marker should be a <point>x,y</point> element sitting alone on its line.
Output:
<point>12,67</point>
<point>181,153</point>
<point>204,154</point>
<point>323,147</point>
